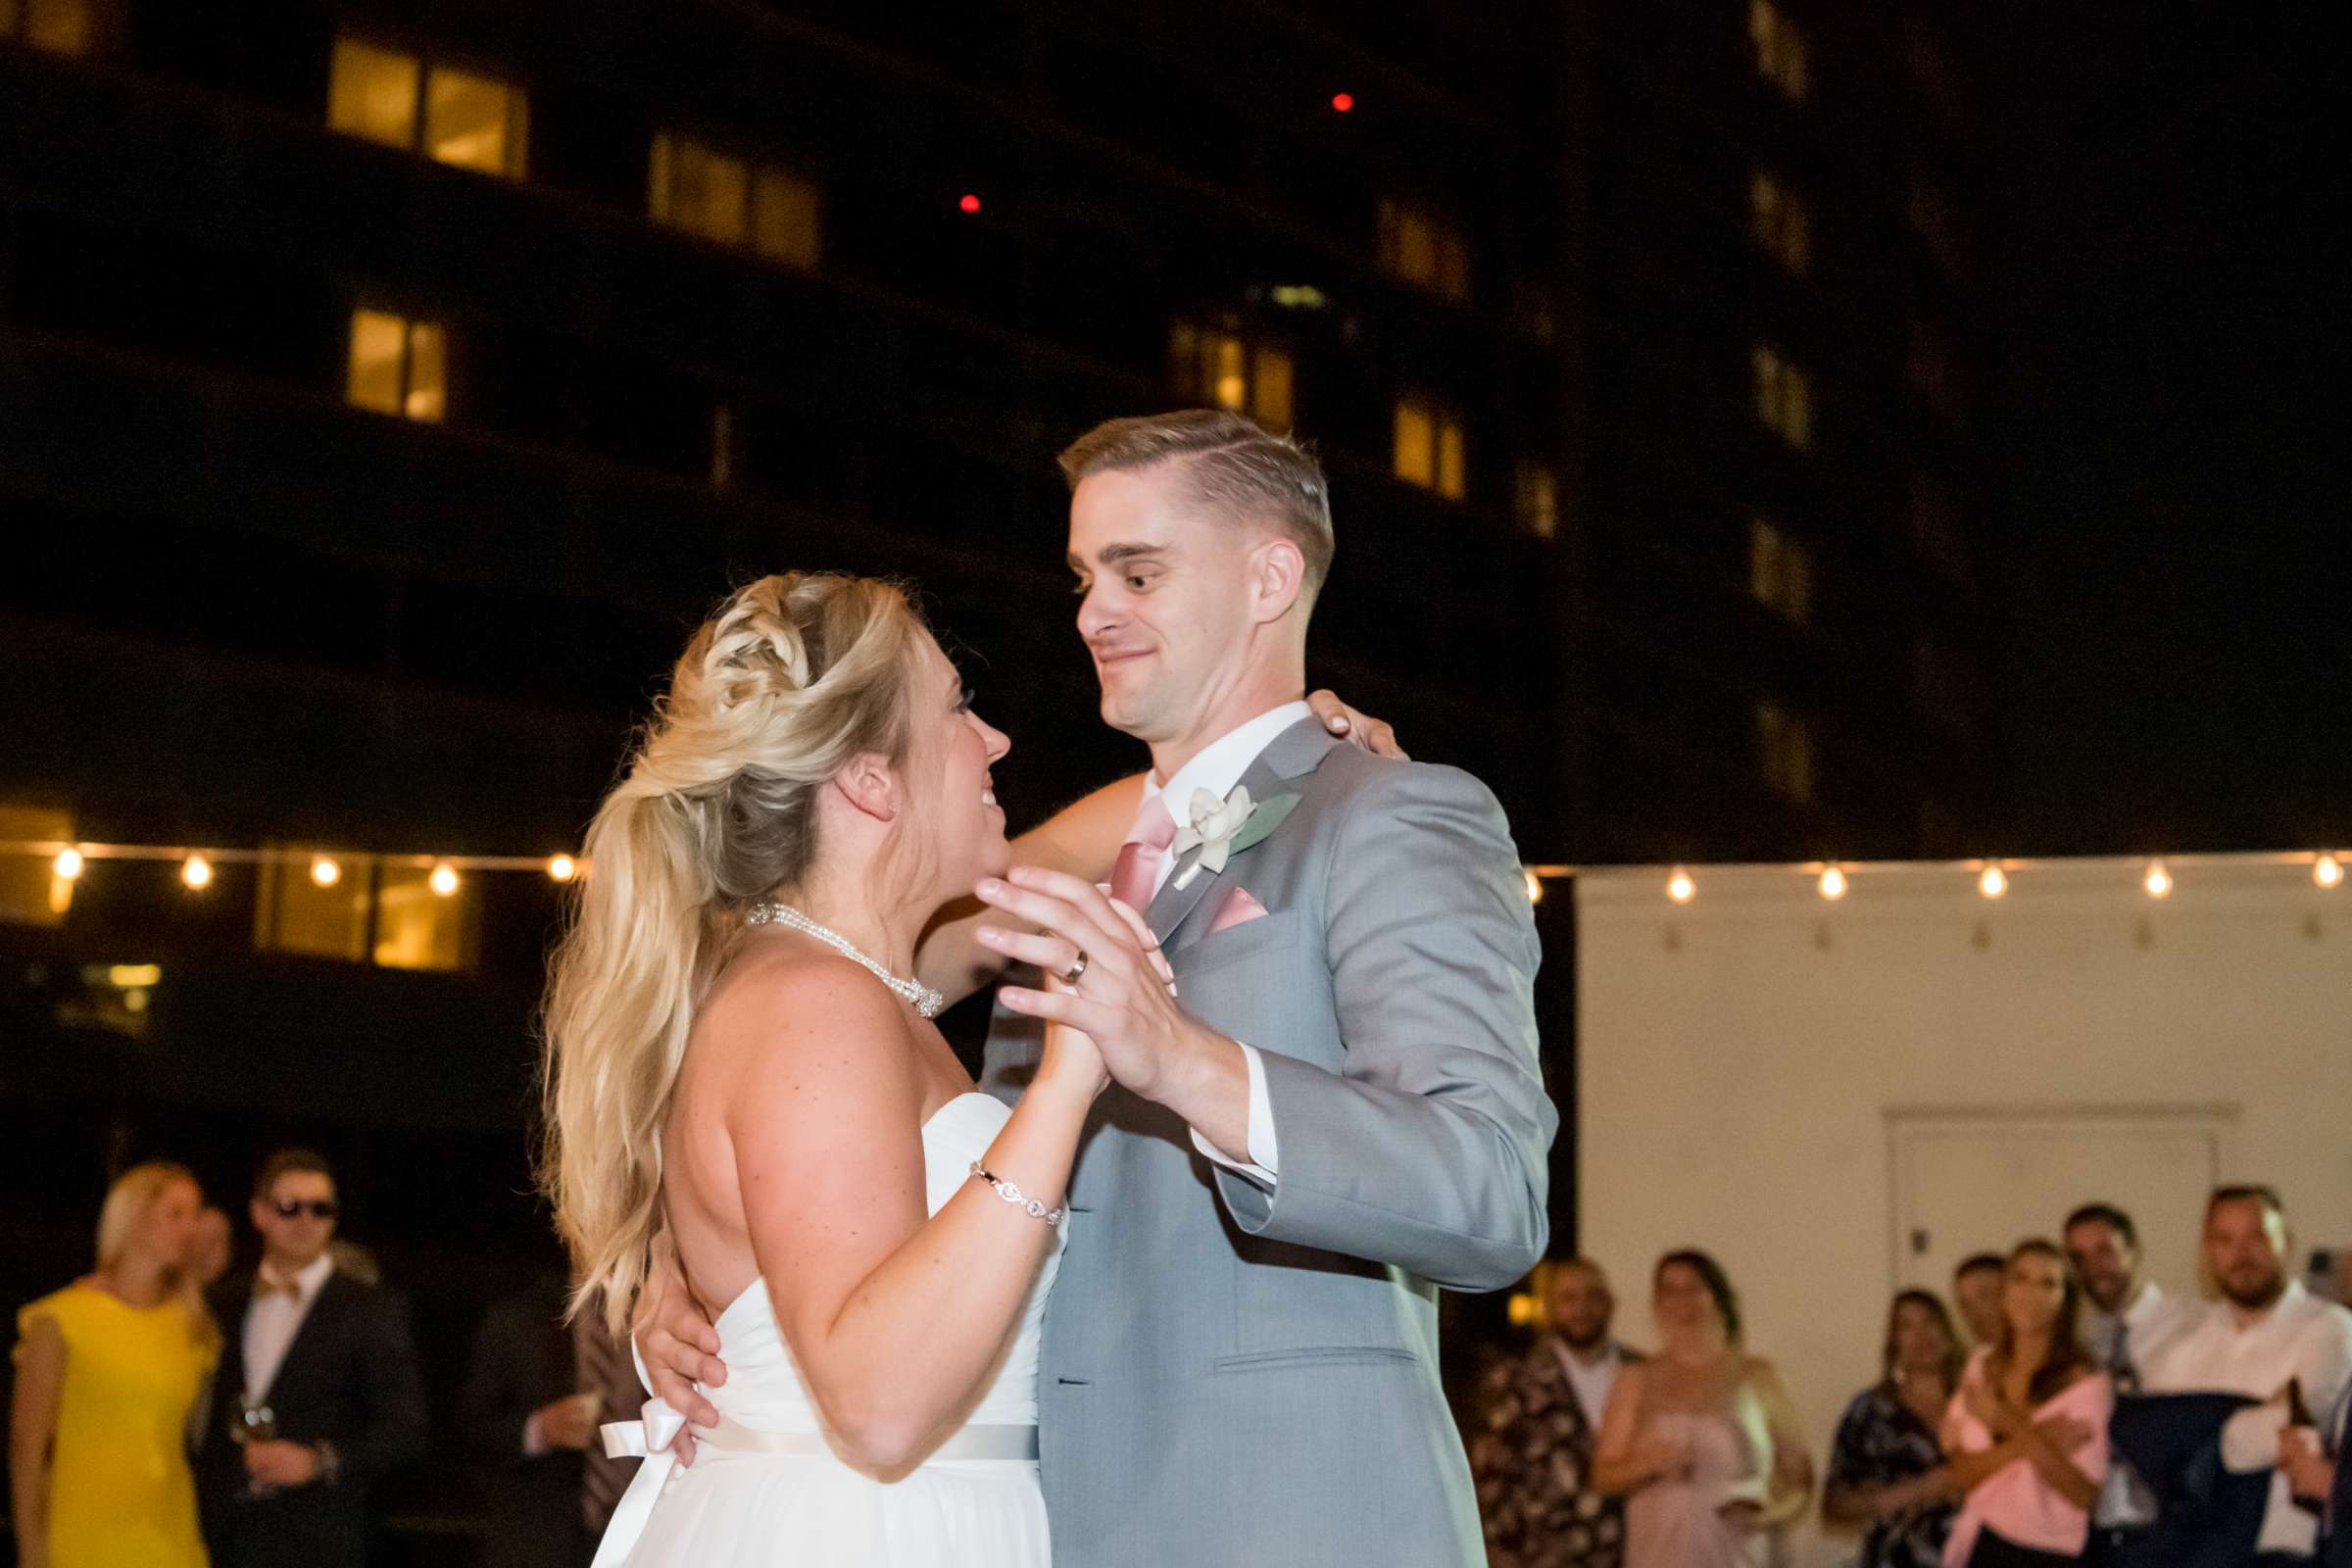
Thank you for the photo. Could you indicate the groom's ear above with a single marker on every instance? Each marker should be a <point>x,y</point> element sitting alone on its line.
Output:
<point>868,783</point>
<point>1277,574</point>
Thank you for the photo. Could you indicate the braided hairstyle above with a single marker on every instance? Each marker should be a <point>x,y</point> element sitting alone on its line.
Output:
<point>793,678</point>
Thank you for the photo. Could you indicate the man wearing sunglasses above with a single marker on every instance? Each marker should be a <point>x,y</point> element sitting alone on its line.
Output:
<point>318,1394</point>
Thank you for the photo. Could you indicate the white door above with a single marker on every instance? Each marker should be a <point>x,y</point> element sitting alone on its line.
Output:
<point>1971,1181</point>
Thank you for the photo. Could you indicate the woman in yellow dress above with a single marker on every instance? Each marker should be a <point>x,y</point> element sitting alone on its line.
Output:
<point>108,1370</point>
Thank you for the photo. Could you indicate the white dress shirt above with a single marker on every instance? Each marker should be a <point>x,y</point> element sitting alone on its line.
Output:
<point>273,1321</point>
<point>2152,1318</point>
<point>1591,1380</point>
<point>1217,767</point>
<point>2299,1337</point>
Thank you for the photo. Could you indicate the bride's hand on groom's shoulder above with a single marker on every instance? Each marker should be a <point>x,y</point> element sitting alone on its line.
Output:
<point>1113,982</point>
<point>1360,730</point>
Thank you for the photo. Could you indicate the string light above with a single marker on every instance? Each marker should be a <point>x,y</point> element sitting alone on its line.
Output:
<point>1535,885</point>
<point>1679,887</point>
<point>2158,881</point>
<point>326,872</point>
<point>562,868</point>
<point>1833,884</point>
<point>197,872</point>
<point>2328,871</point>
<point>1994,882</point>
<point>968,203</point>
<point>68,864</point>
<point>443,880</point>
<point>1343,101</point>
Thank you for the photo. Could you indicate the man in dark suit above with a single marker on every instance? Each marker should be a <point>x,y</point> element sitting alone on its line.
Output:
<point>318,1393</point>
<point>534,1391</point>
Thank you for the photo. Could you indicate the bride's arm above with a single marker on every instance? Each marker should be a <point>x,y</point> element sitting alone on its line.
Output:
<point>1083,838</point>
<point>893,1317</point>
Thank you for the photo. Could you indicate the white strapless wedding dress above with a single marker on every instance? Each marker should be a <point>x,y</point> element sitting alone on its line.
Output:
<point>766,1491</point>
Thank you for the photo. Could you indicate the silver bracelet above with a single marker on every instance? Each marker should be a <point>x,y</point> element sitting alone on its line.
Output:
<point>1012,1195</point>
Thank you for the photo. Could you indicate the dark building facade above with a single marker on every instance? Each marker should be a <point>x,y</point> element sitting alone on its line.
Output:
<point>386,389</point>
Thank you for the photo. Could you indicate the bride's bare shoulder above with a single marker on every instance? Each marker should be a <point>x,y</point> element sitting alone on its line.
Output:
<point>793,1011</point>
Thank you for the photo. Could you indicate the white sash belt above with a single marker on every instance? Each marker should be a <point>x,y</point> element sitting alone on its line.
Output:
<point>654,1434</point>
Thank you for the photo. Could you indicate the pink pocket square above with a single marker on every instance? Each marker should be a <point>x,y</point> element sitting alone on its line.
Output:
<point>1239,908</point>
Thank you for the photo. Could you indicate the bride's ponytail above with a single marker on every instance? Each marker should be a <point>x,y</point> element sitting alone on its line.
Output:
<point>793,677</point>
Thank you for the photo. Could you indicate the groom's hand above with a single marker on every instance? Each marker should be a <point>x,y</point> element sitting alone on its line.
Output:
<point>677,1344</point>
<point>1122,997</point>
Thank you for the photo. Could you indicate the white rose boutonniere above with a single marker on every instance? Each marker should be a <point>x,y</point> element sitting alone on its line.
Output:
<point>1220,828</point>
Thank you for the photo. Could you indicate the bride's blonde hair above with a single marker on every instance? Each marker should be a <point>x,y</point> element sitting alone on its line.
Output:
<point>794,678</point>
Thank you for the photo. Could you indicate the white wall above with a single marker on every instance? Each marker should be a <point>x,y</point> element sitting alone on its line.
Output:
<point>1744,1057</point>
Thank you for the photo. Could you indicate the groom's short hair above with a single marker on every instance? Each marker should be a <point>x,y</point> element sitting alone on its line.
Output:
<point>1227,464</point>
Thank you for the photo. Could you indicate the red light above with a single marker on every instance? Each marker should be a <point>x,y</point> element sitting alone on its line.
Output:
<point>1343,101</point>
<point>971,203</point>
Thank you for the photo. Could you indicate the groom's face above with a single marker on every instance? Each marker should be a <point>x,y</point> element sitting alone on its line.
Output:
<point>1164,601</point>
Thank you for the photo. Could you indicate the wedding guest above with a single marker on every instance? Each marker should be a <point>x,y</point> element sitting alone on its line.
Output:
<point>318,1389</point>
<point>1977,1286</point>
<point>1701,1440</point>
<point>1882,1478</point>
<point>534,1393</point>
<point>2262,1334</point>
<point>1533,1457</point>
<point>107,1371</point>
<point>2127,1314</point>
<point>2028,1429</point>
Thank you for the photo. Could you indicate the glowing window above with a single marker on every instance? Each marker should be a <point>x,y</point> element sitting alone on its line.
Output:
<point>1779,571</point>
<point>454,116</point>
<point>700,190</point>
<point>56,27</point>
<point>1778,222</point>
<point>1428,448</point>
<point>32,892</point>
<point>398,367</point>
<point>1220,367</point>
<point>1784,397</point>
<point>1784,751</point>
<point>1780,49</point>
<point>296,914</point>
<point>1538,499</point>
<point>1423,250</point>
<point>420,928</point>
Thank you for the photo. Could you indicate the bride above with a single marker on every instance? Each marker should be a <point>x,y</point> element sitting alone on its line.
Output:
<point>742,1070</point>
<point>737,1059</point>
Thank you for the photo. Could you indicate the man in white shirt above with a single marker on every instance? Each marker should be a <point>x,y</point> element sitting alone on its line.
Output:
<point>2129,1314</point>
<point>2263,1332</point>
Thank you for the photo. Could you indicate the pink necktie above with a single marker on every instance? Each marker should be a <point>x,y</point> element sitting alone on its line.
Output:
<point>1133,877</point>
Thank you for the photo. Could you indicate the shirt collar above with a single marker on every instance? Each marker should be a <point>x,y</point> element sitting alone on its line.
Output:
<point>308,1279</point>
<point>1219,765</point>
<point>2145,1306</point>
<point>2290,1305</point>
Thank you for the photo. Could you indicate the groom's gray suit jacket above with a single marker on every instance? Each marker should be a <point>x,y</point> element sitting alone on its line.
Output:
<point>1232,1375</point>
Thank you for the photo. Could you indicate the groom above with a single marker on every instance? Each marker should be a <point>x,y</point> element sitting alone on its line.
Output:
<point>1340,1112</point>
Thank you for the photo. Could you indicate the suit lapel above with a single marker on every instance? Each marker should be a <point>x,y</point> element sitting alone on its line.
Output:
<point>1290,755</point>
<point>329,1300</point>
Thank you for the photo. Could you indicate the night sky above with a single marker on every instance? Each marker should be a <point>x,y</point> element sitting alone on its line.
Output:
<point>2167,410</point>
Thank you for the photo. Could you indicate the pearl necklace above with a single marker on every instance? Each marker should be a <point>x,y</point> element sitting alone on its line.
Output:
<point>924,1000</point>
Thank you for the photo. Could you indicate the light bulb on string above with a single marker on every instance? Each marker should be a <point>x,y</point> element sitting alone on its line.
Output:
<point>2158,881</point>
<point>197,872</point>
<point>326,872</point>
<point>1994,882</point>
<point>1833,884</point>
<point>2328,871</point>
<point>1679,887</point>
<point>443,880</point>
<point>68,864</point>
<point>562,868</point>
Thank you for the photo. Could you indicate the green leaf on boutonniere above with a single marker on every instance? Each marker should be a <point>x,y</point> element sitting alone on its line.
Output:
<point>1264,820</point>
